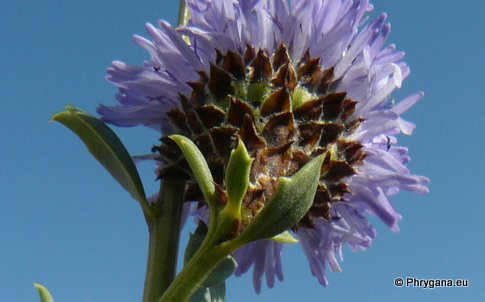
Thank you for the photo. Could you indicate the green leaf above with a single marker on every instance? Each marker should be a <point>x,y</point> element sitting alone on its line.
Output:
<point>291,201</point>
<point>199,167</point>
<point>237,177</point>
<point>222,271</point>
<point>195,241</point>
<point>44,294</point>
<point>106,147</point>
<point>285,237</point>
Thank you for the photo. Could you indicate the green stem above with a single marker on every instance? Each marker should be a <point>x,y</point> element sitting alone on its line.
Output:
<point>183,13</point>
<point>198,269</point>
<point>164,239</point>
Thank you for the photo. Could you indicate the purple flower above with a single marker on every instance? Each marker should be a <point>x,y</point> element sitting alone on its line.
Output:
<point>265,256</point>
<point>318,52</point>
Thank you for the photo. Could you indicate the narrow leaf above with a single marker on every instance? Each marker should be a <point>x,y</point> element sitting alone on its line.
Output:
<point>199,167</point>
<point>291,201</point>
<point>106,147</point>
<point>237,176</point>
<point>44,294</point>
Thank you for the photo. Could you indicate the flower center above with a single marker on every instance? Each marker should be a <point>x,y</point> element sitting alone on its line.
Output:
<point>285,112</point>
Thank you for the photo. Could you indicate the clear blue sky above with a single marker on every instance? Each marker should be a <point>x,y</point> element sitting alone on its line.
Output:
<point>66,224</point>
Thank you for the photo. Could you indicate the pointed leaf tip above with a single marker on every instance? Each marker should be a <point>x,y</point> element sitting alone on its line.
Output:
<point>285,237</point>
<point>44,294</point>
<point>106,147</point>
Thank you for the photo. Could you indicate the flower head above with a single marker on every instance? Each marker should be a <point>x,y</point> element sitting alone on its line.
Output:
<point>292,80</point>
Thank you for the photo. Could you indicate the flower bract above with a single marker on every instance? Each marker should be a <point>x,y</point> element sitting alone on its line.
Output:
<point>292,80</point>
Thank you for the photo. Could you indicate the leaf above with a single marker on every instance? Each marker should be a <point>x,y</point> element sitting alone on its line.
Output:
<point>222,271</point>
<point>44,294</point>
<point>285,237</point>
<point>195,240</point>
<point>237,176</point>
<point>199,167</point>
<point>291,201</point>
<point>106,147</point>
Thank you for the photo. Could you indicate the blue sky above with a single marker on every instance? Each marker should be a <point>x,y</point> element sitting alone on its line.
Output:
<point>66,224</point>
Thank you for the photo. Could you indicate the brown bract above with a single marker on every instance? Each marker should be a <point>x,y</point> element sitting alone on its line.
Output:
<point>286,113</point>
